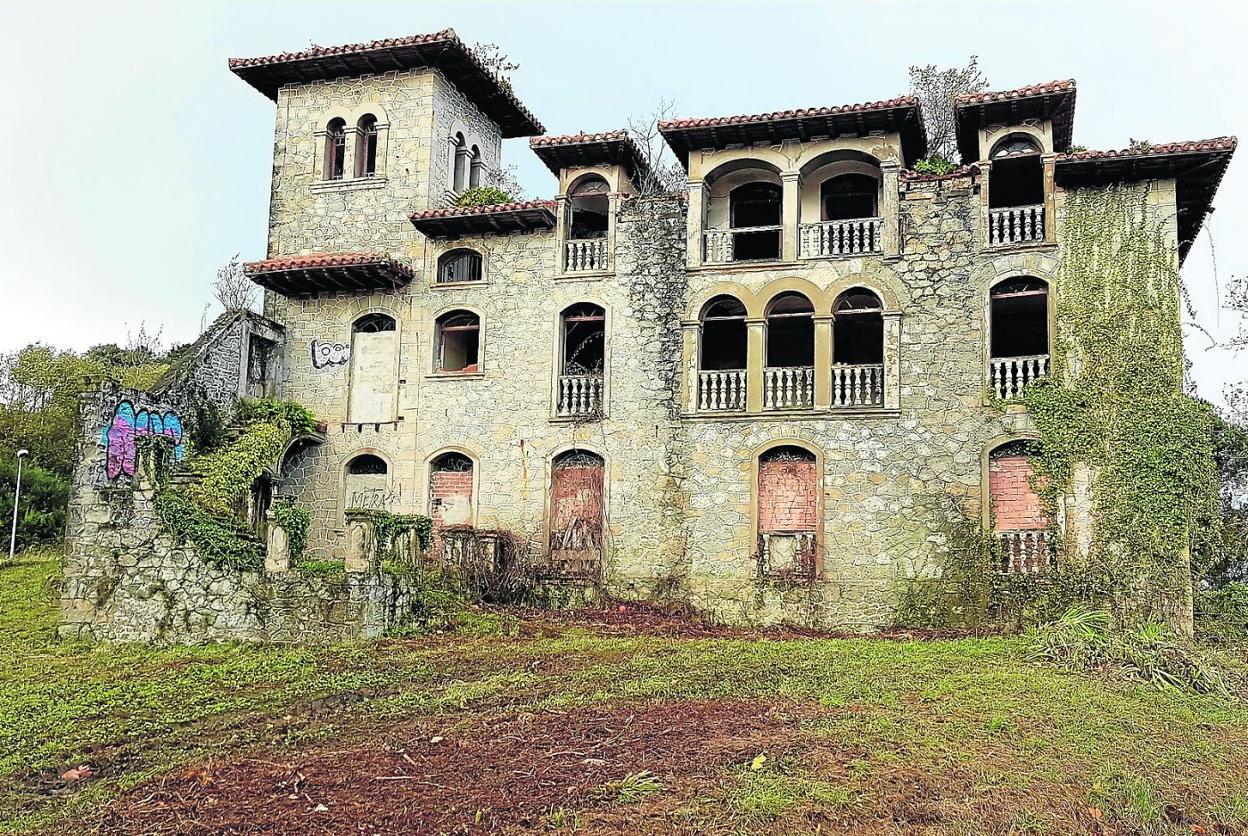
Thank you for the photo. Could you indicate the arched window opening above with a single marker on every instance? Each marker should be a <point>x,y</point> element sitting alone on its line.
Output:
<point>373,323</point>
<point>458,342</point>
<point>475,167</point>
<point>788,512</point>
<point>374,370</point>
<point>858,328</point>
<point>366,146</point>
<point>849,197</point>
<point>588,208</point>
<point>1016,192</point>
<point>335,148</point>
<point>722,355</point>
<point>577,514</point>
<point>461,265</point>
<point>459,164</point>
<point>1018,341</point>
<point>755,208</point>
<point>789,375</point>
<point>366,483</point>
<point>582,359</point>
<point>1020,526</point>
<point>451,480</point>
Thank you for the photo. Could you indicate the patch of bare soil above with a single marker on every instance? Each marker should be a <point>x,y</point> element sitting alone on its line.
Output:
<point>503,773</point>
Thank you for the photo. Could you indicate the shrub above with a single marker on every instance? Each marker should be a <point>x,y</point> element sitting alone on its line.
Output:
<point>296,520</point>
<point>1222,614</point>
<point>220,539</point>
<point>935,164</point>
<point>483,196</point>
<point>41,515</point>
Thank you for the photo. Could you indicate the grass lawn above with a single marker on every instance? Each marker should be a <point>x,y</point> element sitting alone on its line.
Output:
<point>545,726</point>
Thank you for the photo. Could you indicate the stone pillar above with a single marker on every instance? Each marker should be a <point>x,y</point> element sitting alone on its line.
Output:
<point>985,170</point>
<point>349,146</point>
<point>890,209</point>
<point>689,362</point>
<point>823,361</point>
<point>892,360</point>
<point>463,162</point>
<point>756,336</point>
<point>1050,209</point>
<point>561,233</point>
<point>790,195</point>
<point>695,220</point>
<point>277,551</point>
<point>318,159</point>
<point>361,542</point>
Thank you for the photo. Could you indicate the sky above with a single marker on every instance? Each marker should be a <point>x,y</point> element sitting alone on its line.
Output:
<point>136,164</point>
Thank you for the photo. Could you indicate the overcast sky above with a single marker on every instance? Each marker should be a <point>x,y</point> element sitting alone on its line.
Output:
<point>136,163</point>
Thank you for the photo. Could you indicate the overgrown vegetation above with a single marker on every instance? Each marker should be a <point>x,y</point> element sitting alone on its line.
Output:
<point>936,88</point>
<point>296,520</point>
<point>935,164</point>
<point>483,196</point>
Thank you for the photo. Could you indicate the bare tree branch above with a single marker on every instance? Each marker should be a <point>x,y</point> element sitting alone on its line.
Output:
<point>665,174</point>
<point>232,288</point>
<point>935,89</point>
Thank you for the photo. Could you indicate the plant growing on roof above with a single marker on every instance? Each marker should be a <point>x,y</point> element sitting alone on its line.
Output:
<point>483,196</point>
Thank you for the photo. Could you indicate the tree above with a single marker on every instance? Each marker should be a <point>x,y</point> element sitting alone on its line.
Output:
<point>41,509</point>
<point>232,288</point>
<point>936,89</point>
<point>665,174</point>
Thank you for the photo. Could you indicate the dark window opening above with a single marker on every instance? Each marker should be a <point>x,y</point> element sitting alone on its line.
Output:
<point>588,208</point>
<point>366,146</point>
<point>724,339</point>
<point>790,331</point>
<point>366,464</point>
<point>451,463</point>
<point>584,340</point>
<point>1019,318</point>
<point>335,149</point>
<point>459,341</point>
<point>753,205</point>
<point>459,164</point>
<point>459,266</point>
<point>373,323</point>
<point>858,328</point>
<point>1016,181</point>
<point>849,197</point>
<point>475,168</point>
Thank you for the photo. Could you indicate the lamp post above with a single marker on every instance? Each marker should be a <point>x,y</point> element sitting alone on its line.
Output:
<point>17,495</point>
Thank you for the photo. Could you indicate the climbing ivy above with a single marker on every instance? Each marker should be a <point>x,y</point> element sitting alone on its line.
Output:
<point>296,520</point>
<point>389,531</point>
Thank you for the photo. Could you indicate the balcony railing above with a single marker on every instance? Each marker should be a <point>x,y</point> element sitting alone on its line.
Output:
<point>1015,225</point>
<point>586,255</point>
<point>857,385</point>
<point>836,238</point>
<point>722,244</point>
<point>1024,552</point>
<point>1009,376</point>
<point>580,395</point>
<point>721,391</point>
<point>789,387</point>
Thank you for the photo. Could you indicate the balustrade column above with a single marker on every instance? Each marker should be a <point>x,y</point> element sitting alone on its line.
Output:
<point>823,361</point>
<point>756,335</point>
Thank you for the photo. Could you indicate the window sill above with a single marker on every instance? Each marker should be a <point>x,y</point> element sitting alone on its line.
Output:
<point>741,266</point>
<point>457,285</point>
<point>351,185</point>
<point>455,376</point>
<point>1016,248</point>
<point>579,419</point>
<point>792,414</point>
<point>584,274</point>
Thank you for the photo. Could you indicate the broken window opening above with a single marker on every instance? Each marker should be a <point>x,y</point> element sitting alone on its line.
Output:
<point>462,265</point>
<point>790,331</point>
<point>458,342</point>
<point>366,464</point>
<point>858,328</point>
<point>849,197</point>
<point>755,205</point>
<point>588,209</point>
<point>366,146</point>
<point>1020,525</point>
<point>584,339</point>
<point>450,493</point>
<point>1019,318</point>
<point>366,484</point>
<point>724,343</point>
<point>1016,177</point>
<point>335,148</point>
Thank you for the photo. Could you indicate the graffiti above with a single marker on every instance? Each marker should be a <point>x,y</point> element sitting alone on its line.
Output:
<point>329,354</point>
<point>375,499</point>
<point>128,424</point>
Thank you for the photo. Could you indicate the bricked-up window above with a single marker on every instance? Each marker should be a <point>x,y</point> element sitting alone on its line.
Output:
<point>858,328</point>
<point>588,208</point>
<point>1020,526</point>
<point>366,483</point>
<point>335,148</point>
<point>848,197</point>
<point>475,168</point>
<point>724,344</point>
<point>1019,317</point>
<point>788,511</point>
<point>461,265</point>
<point>755,205</point>
<point>576,514</point>
<point>450,491</point>
<point>1016,177</point>
<point>790,331</point>
<point>458,342</point>
<point>366,146</point>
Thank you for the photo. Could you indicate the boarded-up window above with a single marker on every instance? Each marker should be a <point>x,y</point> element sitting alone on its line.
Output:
<point>1020,525</point>
<point>788,511</point>
<point>366,483</point>
<point>576,514</point>
<point>374,370</point>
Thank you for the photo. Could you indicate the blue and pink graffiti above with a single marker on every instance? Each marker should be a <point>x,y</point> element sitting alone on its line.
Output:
<point>129,424</point>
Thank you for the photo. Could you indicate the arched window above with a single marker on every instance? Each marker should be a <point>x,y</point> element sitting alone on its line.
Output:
<point>366,483</point>
<point>788,512</point>
<point>335,148</point>
<point>475,168</point>
<point>1018,328</point>
<point>461,265</point>
<point>577,514</point>
<point>755,205</point>
<point>1016,192</point>
<point>450,491</point>
<point>857,349</point>
<point>588,204</point>
<point>459,163</point>
<point>373,323</point>
<point>789,375</point>
<point>582,349</point>
<point>458,335</point>
<point>849,197</point>
<point>366,146</point>
<point>1020,525</point>
<point>724,343</point>
<point>374,370</point>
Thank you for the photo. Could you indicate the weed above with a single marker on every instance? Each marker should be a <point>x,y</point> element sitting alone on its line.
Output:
<point>633,787</point>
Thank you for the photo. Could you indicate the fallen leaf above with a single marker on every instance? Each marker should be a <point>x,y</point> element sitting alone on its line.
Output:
<point>757,763</point>
<point>436,739</point>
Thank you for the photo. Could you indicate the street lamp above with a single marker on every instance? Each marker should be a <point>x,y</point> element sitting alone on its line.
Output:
<point>17,495</point>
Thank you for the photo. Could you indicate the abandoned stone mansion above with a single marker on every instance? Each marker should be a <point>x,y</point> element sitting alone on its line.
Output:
<point>759,395</point>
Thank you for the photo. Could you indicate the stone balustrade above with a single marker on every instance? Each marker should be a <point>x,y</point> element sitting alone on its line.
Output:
<point>721,244</point>
<point>1024,551</point>
<point>789,387</point>
<point>720,391</point>
<point>787,554</point>
<point>857,385</point>
<point>1015,225</point>
<point>1009,376</point>
<point>839,238</point>
<point>588,255</point>
<point>580,395</point>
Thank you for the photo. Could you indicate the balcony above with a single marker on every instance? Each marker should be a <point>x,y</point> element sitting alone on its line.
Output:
<point>587,255</point>
<point>750,243</point>
<point>1008,377</point>
<point>1015,225</point>
<point>721,391</point>
<point>830,239</point>
<point>1022,552</point>
<point>857,386</point>
<point>580,396</point>
<point>789,387</point>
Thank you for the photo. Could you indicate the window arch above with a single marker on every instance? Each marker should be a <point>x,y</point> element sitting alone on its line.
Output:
<point>374,381</point>
<point>366,146</point>
<point>461,265</point>
<point>1018,334</point>
<point>475,167</point>
<point>366,482</point>
<point>858,327</point>
<point>1020,525</point>
<point>1016,177</point>
<point>373,323</point>
<point>582,361</point>
<point>788,511</point>
<point>789,373</point>
<point>849,197</point>
<point>458,342</point>
<point>335,148</point>
<point>724,344</point>
<point>459,163</point>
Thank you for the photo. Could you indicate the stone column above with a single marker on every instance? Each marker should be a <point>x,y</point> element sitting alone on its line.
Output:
<point>349,146</point>
<point>890,209</point>
<point>1050,210</point>
<point>985,169</point>
<point>277,551</point>
<point>823,361</point>
<point>689,362</point>
<point>318,159</point>
<point>892,360</point>
<point>756,335</point>
<point>463,157</point>
<point>695,220</point>
<point>790,185</point>
<point>361,542</point>
<point>561,233</point>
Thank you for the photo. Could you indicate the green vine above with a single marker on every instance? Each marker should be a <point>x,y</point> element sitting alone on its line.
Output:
<point>391,530</point>
<point>296,520</point>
